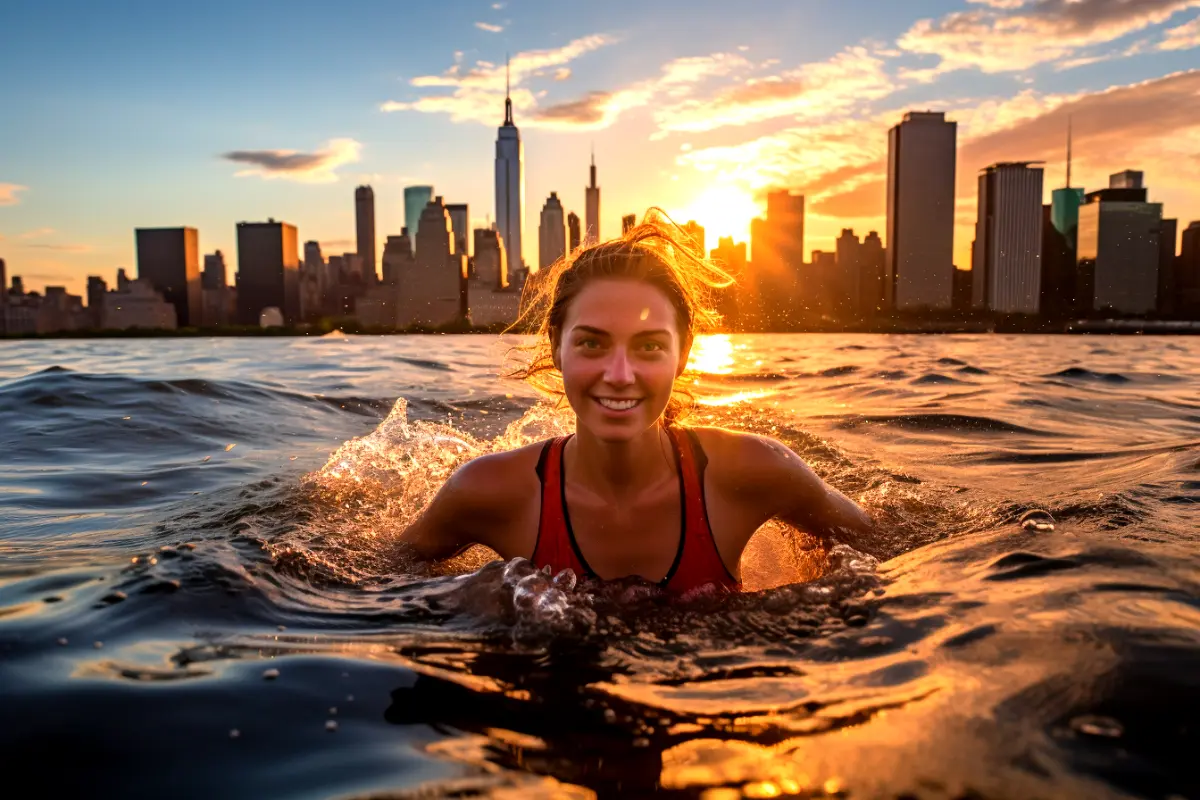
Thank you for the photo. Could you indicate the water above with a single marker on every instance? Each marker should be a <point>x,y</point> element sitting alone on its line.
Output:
<point>197,597</point>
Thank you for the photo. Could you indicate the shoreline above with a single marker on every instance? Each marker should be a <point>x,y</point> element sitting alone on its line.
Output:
<point>1074,327</point>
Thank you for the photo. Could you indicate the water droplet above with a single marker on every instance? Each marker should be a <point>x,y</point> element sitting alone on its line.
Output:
<point>331,725</point>
<point>333,711</point>
<point>234,733</point>
<point>565,580</point>
<point>1094,725</point>
<point>62,640</point>
<point>97,645</point>
<point>270,674</point>
<point>1037,520</point>
<point>349,698</point>
<point>610,715</point>
<point>229,447</point>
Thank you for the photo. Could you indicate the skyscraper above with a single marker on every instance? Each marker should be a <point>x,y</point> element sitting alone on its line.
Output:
<point>777,258</point>
<point>552,232</point>
<point>415,200</point>
<point>96,289</point>
<point>1007,266</point>
<point>3,299</point>
<point>1187,273</point>
<point>364,219</point>
<point>848,289</point>
<point>1168,232</point>
<point>573,232</point>
<point>1119,250</point>
<point>510,186</point>
<point>592,207</point>
<point>873,260</point>
<point>169,259</point>
<point>460,223</point>
<point>433,288</point>
<point>695,232</point>
<point>920,212</point>
<point>491,262</point>
<point>268,271</point>
<point>397,258</point>
<point>1065,203</point>
<point>214,275</point>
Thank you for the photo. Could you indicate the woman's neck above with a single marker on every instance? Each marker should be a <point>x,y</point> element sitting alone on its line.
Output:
<point>619,468</point>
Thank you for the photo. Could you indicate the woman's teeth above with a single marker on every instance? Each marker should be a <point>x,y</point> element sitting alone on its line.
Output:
<point>617,405</point>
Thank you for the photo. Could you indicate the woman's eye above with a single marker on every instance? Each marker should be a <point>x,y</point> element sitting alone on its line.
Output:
<point>651,347</point>
<point>589,344</point>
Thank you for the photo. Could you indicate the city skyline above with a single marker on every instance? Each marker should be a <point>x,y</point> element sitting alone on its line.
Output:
<point>784,96</point>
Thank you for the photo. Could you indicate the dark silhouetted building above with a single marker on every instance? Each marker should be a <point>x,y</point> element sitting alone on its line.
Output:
<point>850,275</point>
<point>1187,272</point>
<point>460,224</point>
<point>592,207</point>
<point>364,224</point>
<point>491,298</point>
<point>920,212</point>
<point>96,289</point>
<point>1057,299</point>
<point>3,299</point>
<point>872,259</point>
<point>552,232</point>
<point>573,232</point>
<point>397,258</point>
<point>169,259</point>
<point>268,271</point>
<point>1007,254</point>
<point>1119,250</point>
<point>215,273</point>
<point>1168,232</point>
<point>433,289</point>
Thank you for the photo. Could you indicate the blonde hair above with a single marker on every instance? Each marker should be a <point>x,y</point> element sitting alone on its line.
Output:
<point>657,252</point>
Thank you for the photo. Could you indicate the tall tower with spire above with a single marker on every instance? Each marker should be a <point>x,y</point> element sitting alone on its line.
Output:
<point>510,182</point>
<point>1065,202</point>
<point>592,210</point>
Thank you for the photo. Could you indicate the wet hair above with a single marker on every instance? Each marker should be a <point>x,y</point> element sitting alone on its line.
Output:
<point>657,252</point>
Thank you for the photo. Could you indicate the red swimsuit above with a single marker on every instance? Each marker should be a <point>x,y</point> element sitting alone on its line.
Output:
<point>697,561</point>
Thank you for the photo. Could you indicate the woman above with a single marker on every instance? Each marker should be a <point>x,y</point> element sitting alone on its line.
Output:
<point>631,493</point>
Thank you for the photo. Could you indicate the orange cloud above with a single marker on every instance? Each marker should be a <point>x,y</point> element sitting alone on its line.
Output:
<point>1011,36</point>
<point>1184,37</point>
<point>8,193</point>
<point>816,90</point>
<point>490,28</point>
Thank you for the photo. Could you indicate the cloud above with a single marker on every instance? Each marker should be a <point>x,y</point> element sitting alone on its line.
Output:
<point>841,166</point>
<point>478,91</point>
<point>498,6</point>
<point>63,248</point>
<point>817,90</point>
<point>36,233</point>
<point>1010,36</point>
<point>315,167</point>
<point>562,73</point>
<point>490,28</point>
<point>8,193</point>
<point>591,109</point>
<point>1184,37</point>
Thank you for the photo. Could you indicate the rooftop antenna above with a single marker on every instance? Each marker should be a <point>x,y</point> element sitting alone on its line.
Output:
<point>1068,151</point>
<point>508,117</point>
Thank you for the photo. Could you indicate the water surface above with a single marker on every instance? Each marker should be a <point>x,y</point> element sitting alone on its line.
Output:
<point>196,597</point>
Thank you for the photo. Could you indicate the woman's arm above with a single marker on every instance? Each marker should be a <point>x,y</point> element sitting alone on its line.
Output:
<point>476,505</point>
<point>768,475</point>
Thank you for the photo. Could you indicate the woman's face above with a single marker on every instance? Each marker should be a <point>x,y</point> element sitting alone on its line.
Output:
<point>619,354</point>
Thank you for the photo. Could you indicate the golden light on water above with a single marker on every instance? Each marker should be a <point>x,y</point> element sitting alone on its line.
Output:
<point>712,354</point>
<point>718,401</point>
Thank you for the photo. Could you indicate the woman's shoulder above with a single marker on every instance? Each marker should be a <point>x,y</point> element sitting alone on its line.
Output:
<point>499,478</point>
<point>739,457</point>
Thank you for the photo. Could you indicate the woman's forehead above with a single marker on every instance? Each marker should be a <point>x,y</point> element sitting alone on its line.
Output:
<point>620,304</point>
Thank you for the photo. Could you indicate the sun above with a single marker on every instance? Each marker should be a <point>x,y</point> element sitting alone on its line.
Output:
<point>723,210</point>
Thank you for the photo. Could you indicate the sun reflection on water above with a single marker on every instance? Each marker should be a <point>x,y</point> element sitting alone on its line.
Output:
<point>712,354</point>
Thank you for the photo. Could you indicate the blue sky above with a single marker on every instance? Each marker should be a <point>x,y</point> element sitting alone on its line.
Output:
<point>124,115</point>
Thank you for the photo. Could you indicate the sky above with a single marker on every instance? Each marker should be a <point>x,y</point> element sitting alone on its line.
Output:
<point>155,114</point>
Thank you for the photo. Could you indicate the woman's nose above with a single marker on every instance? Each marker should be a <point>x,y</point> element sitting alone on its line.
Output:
<point>619,371</point>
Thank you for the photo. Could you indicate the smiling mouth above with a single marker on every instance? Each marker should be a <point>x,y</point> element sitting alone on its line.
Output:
<point>615,404</point>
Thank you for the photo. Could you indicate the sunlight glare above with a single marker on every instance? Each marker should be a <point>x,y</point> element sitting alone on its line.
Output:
<point>712,354</point>
<point>722,210</point>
